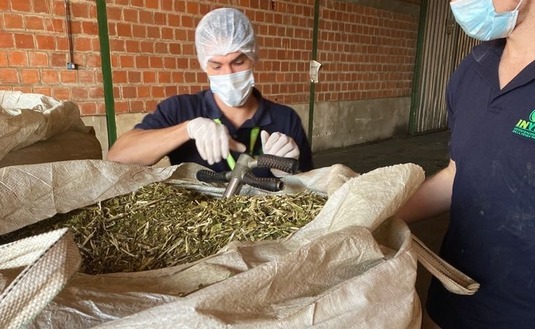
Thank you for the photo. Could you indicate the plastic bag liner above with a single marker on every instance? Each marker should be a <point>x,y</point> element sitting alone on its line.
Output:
<point>353,266</point>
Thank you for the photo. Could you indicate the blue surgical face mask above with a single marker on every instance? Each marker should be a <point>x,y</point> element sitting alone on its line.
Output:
<point>479,19</point>
<point>233,89</point>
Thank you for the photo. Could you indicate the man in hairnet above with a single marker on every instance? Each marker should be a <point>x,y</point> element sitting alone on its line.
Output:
<point>216,125</point>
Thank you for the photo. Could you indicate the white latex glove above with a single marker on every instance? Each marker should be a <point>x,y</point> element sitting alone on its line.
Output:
<point>280,145</point>
<point>212,139</point>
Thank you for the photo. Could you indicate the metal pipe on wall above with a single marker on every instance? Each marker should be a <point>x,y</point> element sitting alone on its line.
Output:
<point>70,63</point>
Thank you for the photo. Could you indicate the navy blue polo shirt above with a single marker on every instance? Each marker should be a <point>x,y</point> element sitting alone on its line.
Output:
<point>270,116</point>
<point>491,236</point>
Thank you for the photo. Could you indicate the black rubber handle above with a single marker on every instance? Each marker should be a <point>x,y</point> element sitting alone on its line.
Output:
<point>209,176</point>
<point>289,165</point>
<point>266,183</point>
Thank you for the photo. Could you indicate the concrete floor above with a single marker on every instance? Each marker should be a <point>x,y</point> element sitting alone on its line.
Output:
<point>430,151</point>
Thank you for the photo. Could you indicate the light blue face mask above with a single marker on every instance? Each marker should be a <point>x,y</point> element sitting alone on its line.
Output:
<point>233,89</point>
<point>479,19</point>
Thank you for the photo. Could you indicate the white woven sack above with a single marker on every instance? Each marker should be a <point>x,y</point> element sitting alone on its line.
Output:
<point>354,266</point>
<point>27,118</point>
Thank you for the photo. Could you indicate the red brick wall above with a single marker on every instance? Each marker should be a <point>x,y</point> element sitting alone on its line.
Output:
<point>365,52</point>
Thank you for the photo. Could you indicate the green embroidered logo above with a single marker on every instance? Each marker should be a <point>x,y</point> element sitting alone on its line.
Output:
<point>526,128</point>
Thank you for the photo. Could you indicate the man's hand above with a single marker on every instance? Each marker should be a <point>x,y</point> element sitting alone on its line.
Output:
<point>212,139</point>
<point>280,145</point>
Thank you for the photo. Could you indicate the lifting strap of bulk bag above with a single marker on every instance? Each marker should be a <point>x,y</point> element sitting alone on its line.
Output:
<point>49,260</point>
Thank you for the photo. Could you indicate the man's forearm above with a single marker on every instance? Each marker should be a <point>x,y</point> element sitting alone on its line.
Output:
<point>147,147</point>
<point>433,198</point>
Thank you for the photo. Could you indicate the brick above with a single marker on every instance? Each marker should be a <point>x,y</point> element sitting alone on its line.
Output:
<point>100,107</point>
<point>50,76</point>
<point>161,19</point>
<point>168,33</point>
<point>126,61</point>
<point>6,40</point>
<point>142,62</point>
<point>181,35</point>
<point>156,91</point>
<point>130,15</point>
<point>40,6</point>
<point>9,75</point>
<point>54,25</point>
<point>146,47</point>
<point>134,77</point>
<point>23,6</point>
<point>169,63</point>
<point>88,108</point>
<point>150,104</point>
<point>143,91</point>
<point>45,90</point>
<point>96,92</point>
<point>164,77</point>
<point>182,63</point>
<point>187,22</point>
<point>79,10</point>
<point>161,47</point>
<point>139,31</point>
<point>148,77</point>
<point>172,90</point>
<point>79,58</point>
<point>137,3</point>
<point>68,76</point>
<point>146,17</point>
<point>177,77</point>
<point>156,62</point>
<point>173,20</point>
<point>179,6</point>
<point>29,76</point>
<point>153,32</point>
<point>57,59</point>
<point>3,59</point>
<point>38,59</point>
<point>24,41</point>
<point>13,21</point>
<point>136,106</point>
<point>86,76</point>
<point>61,93</point>
<point>90,28</point>
<point>122,106</point>
<point>114,13</point>
<point>82,44</point>
<point>152,4</point>
<point>17,58</point>
<point>122,2</point>
<point>33,23</point>
<point>76,27</point>
<point>124,30</point>
<point>45,42</point>
<point>190,77</point>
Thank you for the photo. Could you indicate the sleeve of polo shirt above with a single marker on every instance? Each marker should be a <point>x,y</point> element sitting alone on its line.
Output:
<point>455,82</point>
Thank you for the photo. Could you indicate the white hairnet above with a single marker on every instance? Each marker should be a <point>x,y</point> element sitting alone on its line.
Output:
<point>223,31</point>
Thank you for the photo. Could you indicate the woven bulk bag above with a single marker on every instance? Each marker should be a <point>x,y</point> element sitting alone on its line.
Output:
<point>353,266</point>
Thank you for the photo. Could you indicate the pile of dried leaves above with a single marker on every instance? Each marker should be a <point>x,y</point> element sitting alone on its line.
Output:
<point>160,225</point>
